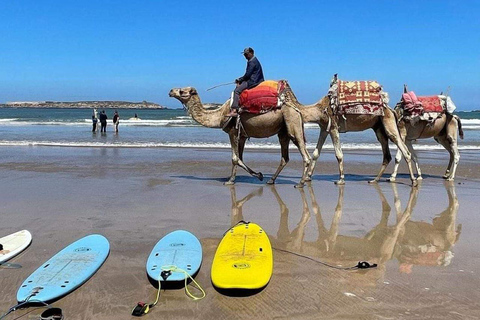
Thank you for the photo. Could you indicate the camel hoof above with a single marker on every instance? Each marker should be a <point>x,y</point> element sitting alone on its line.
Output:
<point>419,178</point>
<point>446,176</point>
<point>229,183</point>
<point>299,185</point>
<point>391,179</point>
<point>271,181</point>
<point>414,183</point>
<point>260,176</point>
<point>373,181</point>
<point>308,179</point>
<point>340,182</point>
<point>450,179</point>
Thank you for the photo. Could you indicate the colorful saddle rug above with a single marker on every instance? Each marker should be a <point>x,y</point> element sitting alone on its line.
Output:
<point>357,97</point>
<point>359,92</point>
<point>262,98</point>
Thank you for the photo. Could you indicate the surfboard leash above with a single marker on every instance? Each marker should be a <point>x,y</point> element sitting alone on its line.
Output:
<point>143,308</point>
<point>27,301</point>
<point>173,268</point>
<point>360,264</point>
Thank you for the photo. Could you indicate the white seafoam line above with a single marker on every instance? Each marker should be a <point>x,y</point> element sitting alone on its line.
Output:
<point>219,145</point>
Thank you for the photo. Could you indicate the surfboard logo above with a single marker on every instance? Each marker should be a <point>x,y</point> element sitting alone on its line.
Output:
<point>177,244</point>
<point>82,249</point>
<point>241,265</point>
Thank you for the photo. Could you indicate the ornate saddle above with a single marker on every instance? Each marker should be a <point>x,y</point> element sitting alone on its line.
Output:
<point>262,98</point>
<point>357,97</point>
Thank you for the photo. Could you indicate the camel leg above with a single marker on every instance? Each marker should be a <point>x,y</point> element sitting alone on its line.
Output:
<point>398,155</point>
<point>316,153</point>
<point>296,132</point>
<point>241,164</point>
<point>391,129</point>
<point>302,147</point>
<point>235,158</point>
<point>443,141</point>
<point>237,155</point>
<point>335,135</point>
<point>450,143</point>
<point>387,157</point>
<point>414,158</point>
<point>284,142</point>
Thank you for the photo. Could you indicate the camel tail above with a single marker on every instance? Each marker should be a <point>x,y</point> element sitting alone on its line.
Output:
<point>460,130</point>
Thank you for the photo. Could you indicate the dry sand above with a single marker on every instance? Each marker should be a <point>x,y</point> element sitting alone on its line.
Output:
<point>425,240</point>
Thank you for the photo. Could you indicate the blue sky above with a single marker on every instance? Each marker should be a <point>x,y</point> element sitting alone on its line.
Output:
<point>138,50</point>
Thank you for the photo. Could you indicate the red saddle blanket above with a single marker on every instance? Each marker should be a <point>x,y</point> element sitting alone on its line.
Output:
<point>359,92</point>
<point>262,98</point>
<point>431,104</point>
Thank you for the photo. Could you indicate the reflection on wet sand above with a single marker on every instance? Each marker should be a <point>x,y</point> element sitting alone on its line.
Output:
<point>411,242</point>
<point>430,244</point>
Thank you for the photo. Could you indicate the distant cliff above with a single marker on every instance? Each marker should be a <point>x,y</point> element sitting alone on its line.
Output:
<point>83,104</point>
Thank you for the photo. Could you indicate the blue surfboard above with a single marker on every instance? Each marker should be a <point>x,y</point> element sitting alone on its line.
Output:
<point>179,248</point>
<point>66,271</point>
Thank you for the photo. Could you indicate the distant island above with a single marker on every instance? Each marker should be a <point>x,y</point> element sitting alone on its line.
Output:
<point>83,105</point>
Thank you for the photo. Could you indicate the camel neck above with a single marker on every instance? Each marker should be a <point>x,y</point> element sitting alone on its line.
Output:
<point>213,118</point>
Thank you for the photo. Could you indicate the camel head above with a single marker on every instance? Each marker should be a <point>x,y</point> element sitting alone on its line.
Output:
<point>183,94</point>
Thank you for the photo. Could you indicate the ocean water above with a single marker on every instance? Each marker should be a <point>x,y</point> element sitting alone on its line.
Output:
<point>170,128</point>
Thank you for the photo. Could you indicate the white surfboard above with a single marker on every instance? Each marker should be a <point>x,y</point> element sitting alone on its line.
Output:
<point>13,244</point>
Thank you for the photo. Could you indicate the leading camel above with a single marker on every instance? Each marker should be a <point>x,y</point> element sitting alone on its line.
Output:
<point>385,128</point>
<point>285,122</point>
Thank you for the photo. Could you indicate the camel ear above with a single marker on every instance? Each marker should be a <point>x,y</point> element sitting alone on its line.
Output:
<point>193,91</point>
<point>405,89</point>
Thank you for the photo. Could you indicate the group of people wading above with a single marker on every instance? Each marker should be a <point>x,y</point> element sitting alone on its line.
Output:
<point>103,121</point>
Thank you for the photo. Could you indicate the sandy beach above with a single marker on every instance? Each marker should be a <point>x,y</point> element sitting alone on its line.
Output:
<point>425,240</point>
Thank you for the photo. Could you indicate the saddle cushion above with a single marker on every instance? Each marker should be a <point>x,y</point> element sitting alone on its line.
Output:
<point>262,98</point>
<point>431,104</point>
<point>359,92</point>
<point>411,104</point>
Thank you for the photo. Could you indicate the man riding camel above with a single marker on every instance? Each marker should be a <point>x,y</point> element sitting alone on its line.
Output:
<point>252,77</point>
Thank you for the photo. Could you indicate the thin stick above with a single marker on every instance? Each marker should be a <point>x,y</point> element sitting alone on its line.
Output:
<point>220,85</point>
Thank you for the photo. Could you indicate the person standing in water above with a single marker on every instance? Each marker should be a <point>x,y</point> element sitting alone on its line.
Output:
<point>116,120</point>
<point>94,122</point>
<point>103,121</point>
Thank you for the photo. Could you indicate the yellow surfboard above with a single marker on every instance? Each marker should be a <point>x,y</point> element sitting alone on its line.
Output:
<point>244,258</point>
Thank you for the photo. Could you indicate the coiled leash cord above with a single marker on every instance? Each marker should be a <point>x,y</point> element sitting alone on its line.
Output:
<point>360,265</point>
<point>143,308</point>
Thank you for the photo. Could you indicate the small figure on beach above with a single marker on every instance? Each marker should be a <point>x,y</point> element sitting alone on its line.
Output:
<point>135,117</point>
<point>252,77</point>
<point>103,121</point>
<point>116,120</point>
<point>94,122</point>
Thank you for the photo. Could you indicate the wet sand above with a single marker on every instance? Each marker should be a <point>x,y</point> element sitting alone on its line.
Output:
<point>425,240</point>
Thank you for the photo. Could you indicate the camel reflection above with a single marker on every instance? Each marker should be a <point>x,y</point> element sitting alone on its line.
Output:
<point>430,244</point>
<point>411,242</point>
<point>377,246</point>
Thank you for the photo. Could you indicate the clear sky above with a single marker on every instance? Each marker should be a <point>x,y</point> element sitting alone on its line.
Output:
<point>138,50</point>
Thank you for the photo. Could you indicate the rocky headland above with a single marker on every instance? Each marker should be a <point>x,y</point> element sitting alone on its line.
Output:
<point>83,104</point>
